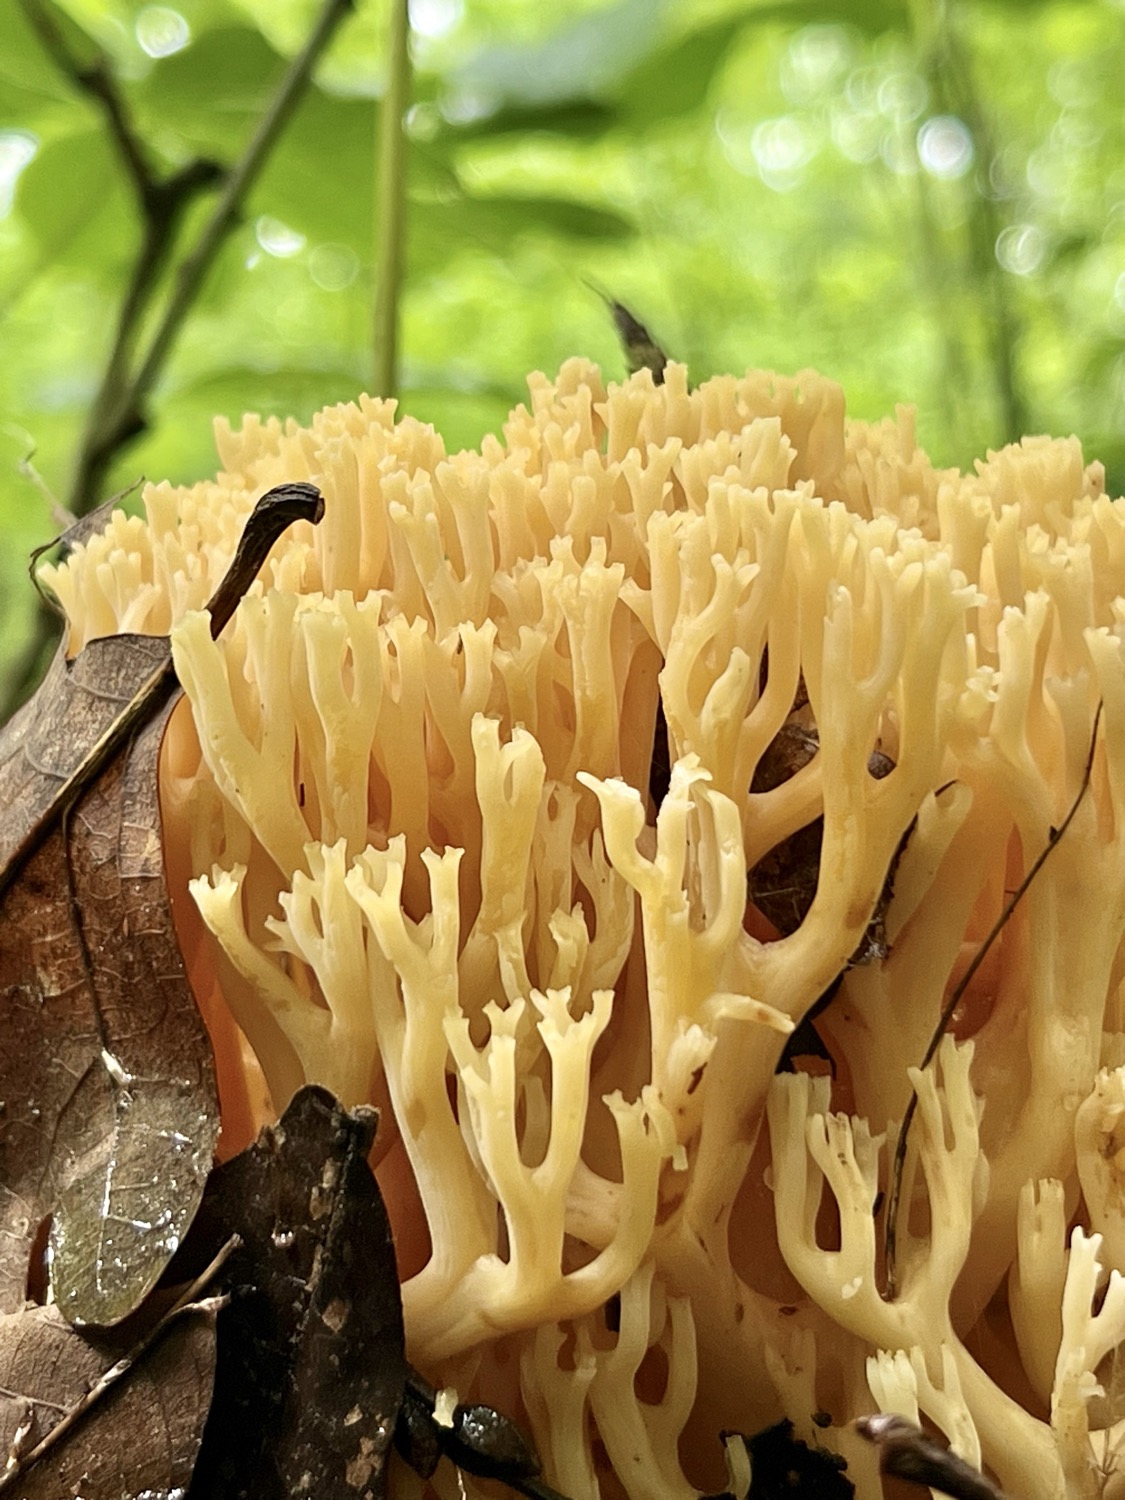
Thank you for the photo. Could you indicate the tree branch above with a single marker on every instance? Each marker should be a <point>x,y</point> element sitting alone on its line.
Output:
<point>102,437</point>
<point>193,269</point>
<point>96,80</point>
<point>119,410</point>
<point>121,413</point>
<point>160,204</point>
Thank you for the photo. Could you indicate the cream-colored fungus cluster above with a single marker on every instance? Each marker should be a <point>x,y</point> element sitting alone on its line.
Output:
<point>410,793</point>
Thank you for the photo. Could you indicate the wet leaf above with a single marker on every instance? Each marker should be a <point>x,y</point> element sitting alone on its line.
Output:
<point>110,1107</point>
<point>141,1438</point>
<point>109,1113</point>
<point>311,1366</point>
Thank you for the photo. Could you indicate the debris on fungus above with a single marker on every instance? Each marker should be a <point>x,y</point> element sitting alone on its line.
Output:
<point>409,793</point>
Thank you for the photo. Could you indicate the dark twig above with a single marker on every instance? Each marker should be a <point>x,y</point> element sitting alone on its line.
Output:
<point>187,1302</point>
<point>895,1193</point>
<point>124,413</point>
<point>119,412</point>
<point>193,269</point>
<point>95,79</point>
<point>906,1452</point>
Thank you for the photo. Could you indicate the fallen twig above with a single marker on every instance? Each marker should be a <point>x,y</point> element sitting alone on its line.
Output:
<point>187,1301</point>
<point>895,1192</point>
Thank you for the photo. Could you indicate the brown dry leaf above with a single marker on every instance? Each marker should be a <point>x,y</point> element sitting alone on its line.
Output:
<point>109,1113</point>
<point>141,1438</point>
<point>311,1367</point>
<point>782,885</point>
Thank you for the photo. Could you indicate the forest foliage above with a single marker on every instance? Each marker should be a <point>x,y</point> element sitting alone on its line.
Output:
<point>923,198</point>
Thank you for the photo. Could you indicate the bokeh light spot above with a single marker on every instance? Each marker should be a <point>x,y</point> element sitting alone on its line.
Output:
<point>781,149</point>
<point>813,61</point>
<point>333,267</point>
<point>902,96</point>
<point>1020,249</point>
<point>17,148</point>
<point>161,31</point>
<point>277,238</point>
<point>434,19</point>
<point>945,147</point>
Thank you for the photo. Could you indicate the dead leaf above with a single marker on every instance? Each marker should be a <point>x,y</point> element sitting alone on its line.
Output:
<point>141,1438</point>
<point>109,1112</point>
<point>75,531</point>
<point>782,885</point>
<point>311,1367</point>
<point>641,350</point>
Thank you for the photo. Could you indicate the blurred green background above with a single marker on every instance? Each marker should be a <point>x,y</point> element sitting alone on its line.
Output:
<point>923,198</point>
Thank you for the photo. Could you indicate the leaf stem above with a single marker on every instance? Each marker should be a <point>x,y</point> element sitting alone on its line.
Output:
<point>390,202</point>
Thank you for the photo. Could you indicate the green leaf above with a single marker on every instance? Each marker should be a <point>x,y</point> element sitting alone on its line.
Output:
<point>579,59</point>
<point>320,178</point>
<point>584,118</point>
<point>871,16</point>
<point>28,77</point>
<point>291,391</point>
<point>73,200</point>
<point>437,230</point>
<point>462,416</point>
<point>211,94</point>
<point>676,80</point>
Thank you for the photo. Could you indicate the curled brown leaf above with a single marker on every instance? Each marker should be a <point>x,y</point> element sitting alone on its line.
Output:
<point>109,1113</point>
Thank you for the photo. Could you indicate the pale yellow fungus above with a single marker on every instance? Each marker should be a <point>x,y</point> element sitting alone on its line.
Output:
<point>410,793</point>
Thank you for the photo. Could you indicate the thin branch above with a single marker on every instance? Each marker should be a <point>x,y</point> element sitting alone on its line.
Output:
<point>96,80</point>
<point>895,1192</point>
<point>390,204</point>
<point>194,268</point>
<point>118,413</point>
<point>187,1301</point>
<point>160,204</point>
<point>103,437</point>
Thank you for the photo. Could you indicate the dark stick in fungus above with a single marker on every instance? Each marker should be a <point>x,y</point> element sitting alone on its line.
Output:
<point>895,1192</point>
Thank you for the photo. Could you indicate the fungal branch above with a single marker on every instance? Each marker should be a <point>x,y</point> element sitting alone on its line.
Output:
<point>119,412</point>
<point>894,1196</point>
